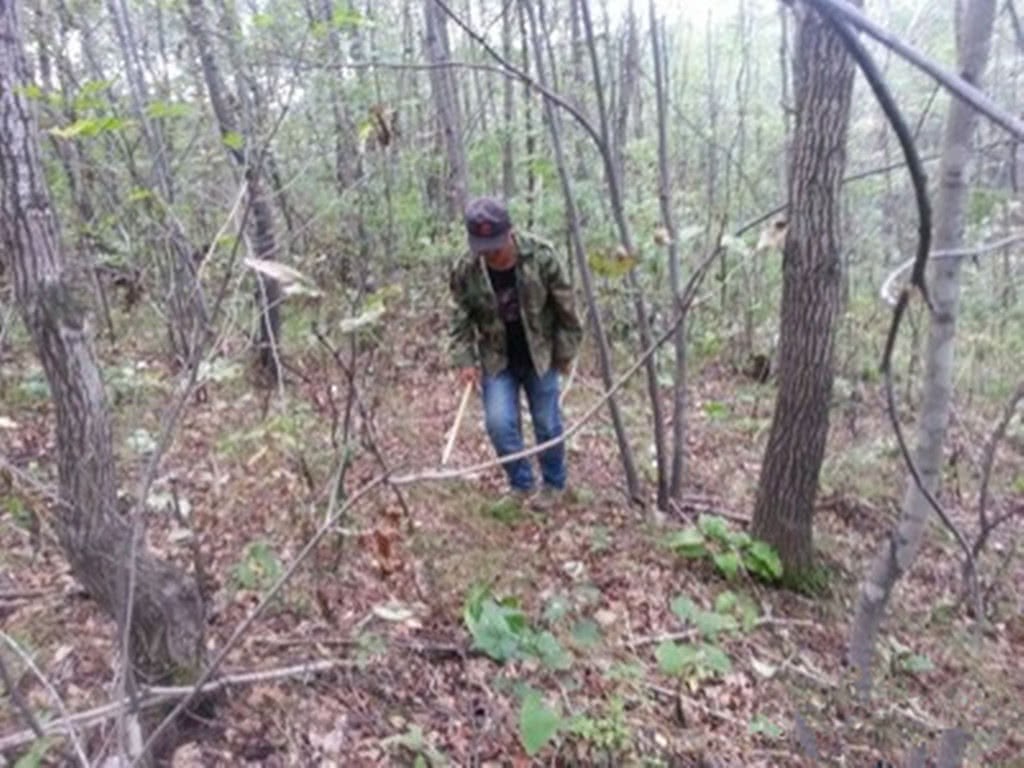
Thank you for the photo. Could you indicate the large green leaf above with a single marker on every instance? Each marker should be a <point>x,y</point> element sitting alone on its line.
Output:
<point>715,659</point>
<point>688,542</point>
<point>710,623</point>
<point>674,659</point>
<point>728,563</point>
<point>761,559</point>
<point>538,723</point>
<point>34,757</point>
<point>714,527</point>
<point>233,140</point>
<point>88,127</point>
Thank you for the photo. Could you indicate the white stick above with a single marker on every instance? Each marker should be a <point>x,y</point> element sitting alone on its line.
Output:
<point>455,427</point>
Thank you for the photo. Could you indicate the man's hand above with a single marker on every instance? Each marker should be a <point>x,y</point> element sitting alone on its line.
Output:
<point>469,375</point>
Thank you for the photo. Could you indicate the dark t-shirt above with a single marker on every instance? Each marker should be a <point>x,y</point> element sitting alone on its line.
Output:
<point>517,350</point>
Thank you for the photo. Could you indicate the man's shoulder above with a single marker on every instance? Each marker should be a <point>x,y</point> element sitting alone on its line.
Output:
<point>533,246</point>
<point>460,269</point>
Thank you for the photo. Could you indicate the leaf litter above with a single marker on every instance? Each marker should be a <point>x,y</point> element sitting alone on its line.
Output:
<point>388,593</point>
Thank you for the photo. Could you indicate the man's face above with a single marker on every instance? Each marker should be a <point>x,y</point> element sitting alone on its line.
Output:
<point>503,255</point>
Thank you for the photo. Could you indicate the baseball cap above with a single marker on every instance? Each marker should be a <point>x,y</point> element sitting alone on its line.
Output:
<point>487,224</point>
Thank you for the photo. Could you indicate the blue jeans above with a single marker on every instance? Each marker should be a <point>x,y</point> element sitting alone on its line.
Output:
<point>501,412</point>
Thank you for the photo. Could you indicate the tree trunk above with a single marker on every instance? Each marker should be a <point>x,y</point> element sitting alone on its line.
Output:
<point>675,489</point>
<point>167,611</point>
<point>508,173</point>
<point>627,93</point>
<point>188,315</point>
<point>896,554</point>
<point>530,137</point>
<point>626,237</point>
<point>810,298</point>
<point>442,81</point>
<point>572,214</point>
<point>237,141</point>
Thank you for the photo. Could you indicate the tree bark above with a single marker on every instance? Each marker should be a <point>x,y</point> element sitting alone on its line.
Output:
<point>675,488</point>
<point>188,315</point>
<point>630,75</point>
<point>508,173</point>
<point>576,237</point>
<point>442,81</point>
<point>812,271</point>
<point>626,237</point>
<point>167,626</point>
<point>238,143</point>
<point>897,553</point>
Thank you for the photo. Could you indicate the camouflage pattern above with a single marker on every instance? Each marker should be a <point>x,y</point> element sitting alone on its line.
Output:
<point>553,330</point>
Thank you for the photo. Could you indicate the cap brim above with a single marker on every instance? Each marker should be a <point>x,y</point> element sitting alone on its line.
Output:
<point>479,244</point>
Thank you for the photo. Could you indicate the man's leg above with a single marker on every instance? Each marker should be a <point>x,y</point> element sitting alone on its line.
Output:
<point>501,412</point>
<point>542,392</point>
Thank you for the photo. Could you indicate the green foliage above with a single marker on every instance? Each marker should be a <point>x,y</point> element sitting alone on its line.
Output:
<point>89,127</point>
<point>19,511</point>
<point>692,661</point>
<point>34,388</point>
<point>416,742</point>
<point>141,441</point>
<point>539,723</point>
<point>233,140</point>
<point>730,551</point>
<point>258,569</point>
<point>505,509</point>
<point>716,411</point>
<point>760,725</point>
<point>606,733</point>
<point>166,110</point>
<point>34,757</point>
<point>586,633</point>
<point>500,629</point>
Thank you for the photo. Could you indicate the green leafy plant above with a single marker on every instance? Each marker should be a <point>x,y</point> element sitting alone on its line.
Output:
<point>761,725</point>
<point>416,742</point>
<point>34,757</point>
<point>704,659</point>
<point>539,723</point>
<point>730,551</point>
<point>605,734</point>
<point>501,630</point>
<point>258,569</point>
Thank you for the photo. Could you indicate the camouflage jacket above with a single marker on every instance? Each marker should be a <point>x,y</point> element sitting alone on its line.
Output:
<point>553,330</point>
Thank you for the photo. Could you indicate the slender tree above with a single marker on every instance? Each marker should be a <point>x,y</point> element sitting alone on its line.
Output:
<point>669,223</point>
<point>449,114</point>
<point>167,611</point>
<point>896,554</point>
<point>811,278</point>
<point>583,268</point>
<point>188,315</point>
<point>626,237</point>
<point>237,136</point>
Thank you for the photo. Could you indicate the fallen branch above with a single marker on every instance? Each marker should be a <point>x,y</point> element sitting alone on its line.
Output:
<point>150,697</point>
<point>333,515</point>
<point>58,703</point>
<point>693,632</point>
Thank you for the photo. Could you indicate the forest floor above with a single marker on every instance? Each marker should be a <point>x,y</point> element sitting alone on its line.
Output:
<point>385,595</point>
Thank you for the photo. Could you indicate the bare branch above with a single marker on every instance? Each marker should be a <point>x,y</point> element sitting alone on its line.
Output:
<point>76,740</point>
<point>952,83</point>
<point>154,696</point>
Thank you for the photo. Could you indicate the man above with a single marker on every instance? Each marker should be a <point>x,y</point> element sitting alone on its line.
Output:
<point>514,327</point>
